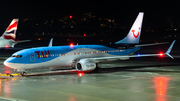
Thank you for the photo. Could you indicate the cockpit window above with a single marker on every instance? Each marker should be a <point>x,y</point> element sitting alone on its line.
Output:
<point>17,56</point>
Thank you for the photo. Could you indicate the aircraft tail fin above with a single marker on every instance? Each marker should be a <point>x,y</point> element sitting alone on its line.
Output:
<point>10,32</point>
<point>133,36</point>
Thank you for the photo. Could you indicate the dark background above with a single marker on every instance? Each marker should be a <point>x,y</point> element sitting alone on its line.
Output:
<point>161,20</point>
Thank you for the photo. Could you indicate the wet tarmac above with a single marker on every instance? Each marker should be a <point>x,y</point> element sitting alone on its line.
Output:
<point>137,79</point>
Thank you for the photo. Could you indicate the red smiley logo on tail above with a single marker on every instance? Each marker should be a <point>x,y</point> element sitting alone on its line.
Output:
<point>134,33</point>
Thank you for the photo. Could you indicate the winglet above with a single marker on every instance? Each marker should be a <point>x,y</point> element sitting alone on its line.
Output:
<point>50,43</point>
<point>169,50</point>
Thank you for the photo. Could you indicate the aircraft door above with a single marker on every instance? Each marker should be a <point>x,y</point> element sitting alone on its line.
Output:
<point>32,56</point>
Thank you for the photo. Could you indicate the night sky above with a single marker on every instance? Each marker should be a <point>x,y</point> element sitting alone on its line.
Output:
<point>156,13</point>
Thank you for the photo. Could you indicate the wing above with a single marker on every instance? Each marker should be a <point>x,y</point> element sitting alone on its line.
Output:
<point>101,59</point>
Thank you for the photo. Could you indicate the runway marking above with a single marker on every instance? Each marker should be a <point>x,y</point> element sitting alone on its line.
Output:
<point>11,99</point>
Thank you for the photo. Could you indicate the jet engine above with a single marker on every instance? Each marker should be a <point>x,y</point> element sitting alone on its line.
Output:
<point>83,65</point>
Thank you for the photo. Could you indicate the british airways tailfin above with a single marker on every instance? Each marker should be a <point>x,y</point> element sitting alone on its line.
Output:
<point>10,32</point>
<point>133,36</point>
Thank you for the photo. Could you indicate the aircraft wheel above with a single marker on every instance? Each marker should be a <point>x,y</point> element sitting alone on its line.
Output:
<point>23,73</point>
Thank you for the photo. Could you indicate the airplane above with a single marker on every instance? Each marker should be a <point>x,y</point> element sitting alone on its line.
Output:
<point>7,40</point>
<point>81,57</point>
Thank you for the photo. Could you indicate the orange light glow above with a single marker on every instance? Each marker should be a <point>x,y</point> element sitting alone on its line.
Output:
<point>80,74</point>
<point>161,85</point>
<point>70,16</point>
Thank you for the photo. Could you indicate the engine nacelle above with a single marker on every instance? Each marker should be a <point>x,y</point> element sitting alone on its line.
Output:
<point>85,65</point>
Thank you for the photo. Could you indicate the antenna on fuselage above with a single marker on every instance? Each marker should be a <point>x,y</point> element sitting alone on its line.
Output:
<point>50,43</point>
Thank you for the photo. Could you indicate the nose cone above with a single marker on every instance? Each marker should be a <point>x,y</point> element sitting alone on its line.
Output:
<point>8,63</point>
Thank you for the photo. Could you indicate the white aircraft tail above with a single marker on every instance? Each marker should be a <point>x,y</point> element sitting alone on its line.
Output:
<point>133,36</point>
<point>10,32</point>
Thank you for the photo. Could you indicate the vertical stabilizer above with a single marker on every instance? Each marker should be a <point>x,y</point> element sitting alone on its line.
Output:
<point>10,32</point>
<point>133,36</point>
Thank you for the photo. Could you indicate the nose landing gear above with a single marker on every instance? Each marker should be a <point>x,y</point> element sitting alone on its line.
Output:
<point>23,73</point>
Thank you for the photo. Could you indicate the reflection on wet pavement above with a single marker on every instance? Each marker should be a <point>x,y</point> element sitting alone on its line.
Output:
<point>156,80</point>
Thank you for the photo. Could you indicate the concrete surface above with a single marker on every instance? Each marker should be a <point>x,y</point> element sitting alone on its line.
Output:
<point>137,79</point>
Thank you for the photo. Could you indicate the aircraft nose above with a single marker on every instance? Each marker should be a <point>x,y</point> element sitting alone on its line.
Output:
<point>8,64</point>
